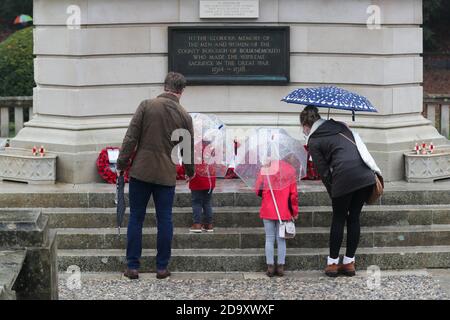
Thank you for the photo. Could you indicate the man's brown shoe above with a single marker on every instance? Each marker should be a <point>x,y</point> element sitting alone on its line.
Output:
<point>347,269</point>
<point>270,270</point>
<point>131,274</point>
<point>280,270</point>
<point>332,270</point>
<point>208,227</point>
<point>196,228</point>
<point>162,274</point>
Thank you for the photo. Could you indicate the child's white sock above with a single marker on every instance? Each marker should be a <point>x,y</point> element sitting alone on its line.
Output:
<point>331,261</point>
<point>348,260</point>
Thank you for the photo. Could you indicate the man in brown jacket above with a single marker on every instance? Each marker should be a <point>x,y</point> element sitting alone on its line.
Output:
<point>149,141</point>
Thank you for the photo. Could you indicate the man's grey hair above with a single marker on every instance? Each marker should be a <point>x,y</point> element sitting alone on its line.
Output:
<point>174,82</point>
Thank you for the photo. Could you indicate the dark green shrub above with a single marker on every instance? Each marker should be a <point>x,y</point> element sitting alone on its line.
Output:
<point>10,9</point>
<point>431,10</point>
<point>16,64</point>
<point>436,24</point>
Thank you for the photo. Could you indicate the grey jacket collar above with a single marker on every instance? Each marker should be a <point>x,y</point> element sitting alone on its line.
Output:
<point>314,127</point>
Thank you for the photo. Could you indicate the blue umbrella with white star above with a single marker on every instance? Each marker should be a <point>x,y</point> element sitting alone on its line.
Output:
<point>331,98</point>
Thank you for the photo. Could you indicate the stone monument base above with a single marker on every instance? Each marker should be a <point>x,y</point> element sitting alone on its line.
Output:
<point>78,142</point>
<point>28,231</point>
<point>11,262</point>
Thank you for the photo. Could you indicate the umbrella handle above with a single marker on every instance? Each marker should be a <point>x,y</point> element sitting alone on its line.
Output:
<point>210,183</point>
<point>116,196</point>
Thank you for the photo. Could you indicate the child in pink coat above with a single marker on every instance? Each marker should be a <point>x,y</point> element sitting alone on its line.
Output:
<point>284,187</point>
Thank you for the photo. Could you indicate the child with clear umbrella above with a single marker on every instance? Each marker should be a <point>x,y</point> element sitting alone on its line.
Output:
<point>272,162</point>
<point>209,138</point>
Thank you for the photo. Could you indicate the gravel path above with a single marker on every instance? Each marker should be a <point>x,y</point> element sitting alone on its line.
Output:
<point>402,286</point>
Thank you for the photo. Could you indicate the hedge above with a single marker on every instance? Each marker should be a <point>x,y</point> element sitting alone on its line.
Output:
<point>16,64</point>
<point>9,9</point>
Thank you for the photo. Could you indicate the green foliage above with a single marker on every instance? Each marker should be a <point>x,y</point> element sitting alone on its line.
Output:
<point>430,9</point>
<point>16,64</point>
<point>9,9</point>
<point>436,24</point>
<point>430,13</point>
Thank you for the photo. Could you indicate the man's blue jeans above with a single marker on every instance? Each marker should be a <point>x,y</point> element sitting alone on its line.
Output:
<point>140,193</point>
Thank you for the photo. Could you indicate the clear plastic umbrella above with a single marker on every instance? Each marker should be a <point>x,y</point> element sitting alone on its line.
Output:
<point>209,145</point>
<point>204,122</point>
<point>271,159</point>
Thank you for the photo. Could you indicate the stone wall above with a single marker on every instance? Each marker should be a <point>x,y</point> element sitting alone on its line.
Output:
<point>90,80</point>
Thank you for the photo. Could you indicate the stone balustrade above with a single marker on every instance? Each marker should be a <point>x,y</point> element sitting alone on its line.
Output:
<point>17,105</point>
<point>436,109</point>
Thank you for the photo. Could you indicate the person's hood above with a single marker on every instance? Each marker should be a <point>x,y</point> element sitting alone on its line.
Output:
<point>314,128</point>
<point>324,128</point>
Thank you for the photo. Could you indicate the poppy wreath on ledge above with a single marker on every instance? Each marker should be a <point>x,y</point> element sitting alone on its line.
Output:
<point>180,172</point>
<point>104,167</point>
<point>230,172</point>
<point>311,170</point>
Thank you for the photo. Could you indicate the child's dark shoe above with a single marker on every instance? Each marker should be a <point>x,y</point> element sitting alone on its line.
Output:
<point>196,228</point>
<point>270,270</point>
<point>280,270</point>
<point>208,227</point>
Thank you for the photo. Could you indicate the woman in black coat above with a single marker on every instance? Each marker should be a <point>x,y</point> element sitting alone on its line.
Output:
<point>349,182</point>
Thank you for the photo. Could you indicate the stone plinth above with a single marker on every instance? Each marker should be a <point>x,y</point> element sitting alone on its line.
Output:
<point>427,168</point>
<point>91,79</point>
<point>11,262</point>
<point>21,165</point>
<point>28,230</point>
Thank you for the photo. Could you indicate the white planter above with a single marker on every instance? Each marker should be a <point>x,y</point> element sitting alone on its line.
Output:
<point>20,165</point>
<point>427,168</point>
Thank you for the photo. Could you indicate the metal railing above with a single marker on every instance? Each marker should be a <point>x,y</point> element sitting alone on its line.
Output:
<point>436,109</point>
<point>18,108</point>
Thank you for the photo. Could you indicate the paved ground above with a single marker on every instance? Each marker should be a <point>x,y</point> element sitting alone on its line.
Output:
<point>415,284</point>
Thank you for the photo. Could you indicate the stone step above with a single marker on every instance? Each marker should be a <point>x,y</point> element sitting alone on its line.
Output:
<point>230,193</point>
<point>234,217</point>
<point>253,260</point>
<point>242,238</point>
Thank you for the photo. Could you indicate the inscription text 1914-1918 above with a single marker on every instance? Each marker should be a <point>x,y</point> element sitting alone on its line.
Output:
<point>213,55</point>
